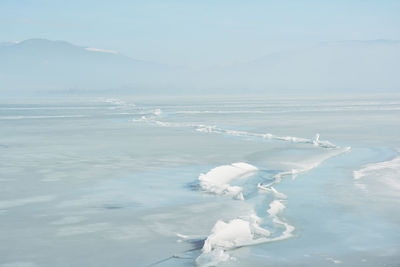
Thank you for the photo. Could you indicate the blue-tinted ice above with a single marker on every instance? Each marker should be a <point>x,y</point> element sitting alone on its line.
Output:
<point>238,181</point>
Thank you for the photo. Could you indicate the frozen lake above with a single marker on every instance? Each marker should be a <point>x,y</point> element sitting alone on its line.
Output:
<point>237,181</point>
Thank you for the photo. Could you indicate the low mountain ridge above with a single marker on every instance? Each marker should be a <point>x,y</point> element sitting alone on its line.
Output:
<point>40,65</point>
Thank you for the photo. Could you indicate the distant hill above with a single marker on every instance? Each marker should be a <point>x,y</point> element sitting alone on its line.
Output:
<point>41,66</point>
<point>49,66</point>
<point>345,67</point>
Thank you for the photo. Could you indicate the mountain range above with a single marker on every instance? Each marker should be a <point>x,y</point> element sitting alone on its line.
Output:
<point>40,66</point>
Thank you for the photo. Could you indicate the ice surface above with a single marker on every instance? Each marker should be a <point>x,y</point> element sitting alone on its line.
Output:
<point>386,172</point>
<point>217,180</point>
<point>81,185</point>
<point>6,204</point>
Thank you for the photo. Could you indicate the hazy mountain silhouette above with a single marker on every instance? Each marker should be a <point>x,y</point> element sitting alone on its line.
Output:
<point>43,65</point>
<point>345,67</point>
<point>39,65</point>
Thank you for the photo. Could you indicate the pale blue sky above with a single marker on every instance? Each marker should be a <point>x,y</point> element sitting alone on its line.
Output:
<point>198,33</point>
